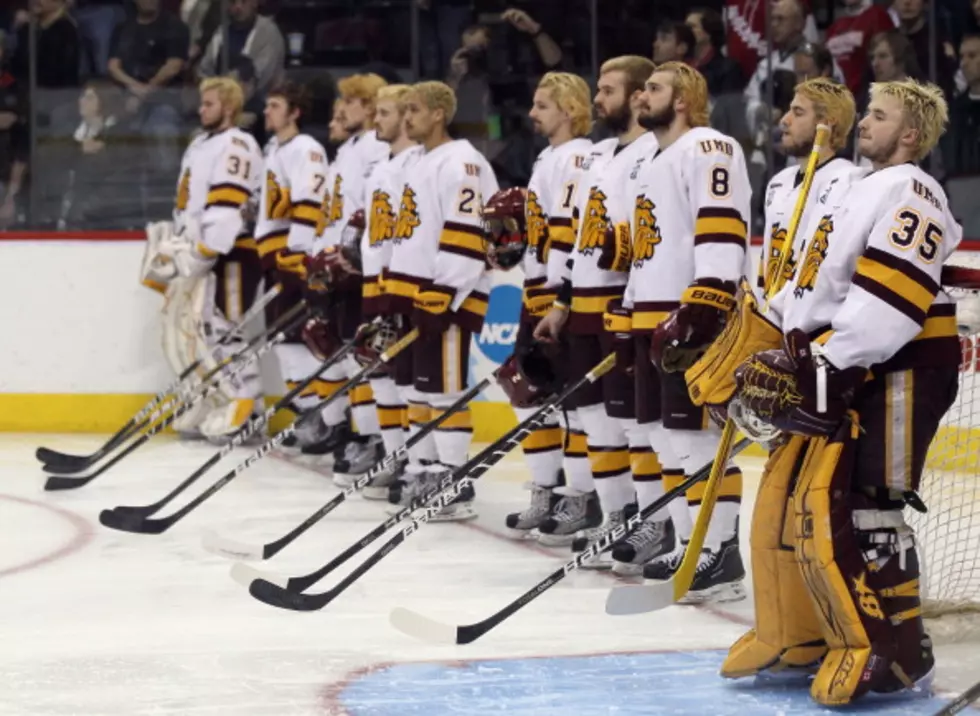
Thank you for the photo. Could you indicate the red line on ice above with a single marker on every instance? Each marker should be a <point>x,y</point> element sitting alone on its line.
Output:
<point>83,535</point>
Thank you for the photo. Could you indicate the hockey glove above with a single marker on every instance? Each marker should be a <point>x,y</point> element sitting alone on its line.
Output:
<point>796,390</point>
<point>431,314</point>
<point>686,333</point>
<point>618,322</point>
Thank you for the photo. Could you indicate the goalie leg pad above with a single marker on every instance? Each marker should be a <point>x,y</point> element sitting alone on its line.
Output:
<point>711,380</point>
<point>787,633</point>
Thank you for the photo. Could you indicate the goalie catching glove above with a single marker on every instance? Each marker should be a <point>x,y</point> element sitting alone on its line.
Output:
<point>688,331</point>
<point>797,390</point>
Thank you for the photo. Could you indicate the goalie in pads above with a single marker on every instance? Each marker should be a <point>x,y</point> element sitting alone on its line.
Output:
<point>204,261</point>
<point>868,366</point>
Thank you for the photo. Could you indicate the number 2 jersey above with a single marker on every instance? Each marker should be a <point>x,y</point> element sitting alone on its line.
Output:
<point>219,172</point>
<point>690,218</point>
<point>551,195</point>
<point>438,236</point>
<point>291,210</point>
<point>866,283</point>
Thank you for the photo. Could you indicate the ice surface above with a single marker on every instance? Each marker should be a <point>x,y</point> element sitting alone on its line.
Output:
<point>97,622</point>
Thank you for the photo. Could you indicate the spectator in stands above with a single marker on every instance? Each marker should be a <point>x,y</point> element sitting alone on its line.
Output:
<point>148,55</point>
<point>96,20</point>
<point>723,75</point>
<point>812,60</point>
<point>893,57</point>
<point>14,143</point>
<point>849,39</point>
<point>471,58</point>
<point>912,20</point>
<point>58,49</point>
<point>961,144</point>
<point>252,111</point>
<point>674,41</point>
<point>249,35</point>
<point>441,22</point>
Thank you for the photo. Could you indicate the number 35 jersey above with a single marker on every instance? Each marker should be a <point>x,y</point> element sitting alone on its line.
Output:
<point>866,282</point>
<point>689,221</point>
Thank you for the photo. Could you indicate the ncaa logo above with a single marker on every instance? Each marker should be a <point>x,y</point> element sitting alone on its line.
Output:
<point>496,339</point>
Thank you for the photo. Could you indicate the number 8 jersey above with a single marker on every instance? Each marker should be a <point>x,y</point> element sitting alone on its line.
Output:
<point>689,221</point>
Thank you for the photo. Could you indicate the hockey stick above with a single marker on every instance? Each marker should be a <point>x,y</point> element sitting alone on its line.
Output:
<point>67,483</point>
<point>136,519</point>
<point>239,550</point>
<point>426,629</point>
<point>433,502</point>
<point>66,463</point>
<point>961,702</point>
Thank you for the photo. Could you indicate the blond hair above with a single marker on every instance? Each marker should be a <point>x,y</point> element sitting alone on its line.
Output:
<point>571,94</point>
<point>636,68</point>
<point>925,110</point>
<point>436,95</point>
<point>394,93</point>
<point>363,87</point>
<point>690,86</point>
<point>833,103</point>
<point>230,94</point>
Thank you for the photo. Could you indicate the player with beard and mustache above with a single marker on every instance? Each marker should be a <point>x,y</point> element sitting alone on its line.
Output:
<point>689,226</point>
<point>868,339</point>
<point>599,265</point>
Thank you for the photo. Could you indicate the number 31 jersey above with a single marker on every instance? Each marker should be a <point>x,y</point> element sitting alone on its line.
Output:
<point>689,221</point>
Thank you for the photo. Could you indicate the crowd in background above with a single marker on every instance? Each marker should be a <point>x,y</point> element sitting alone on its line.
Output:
<point>98,97</point>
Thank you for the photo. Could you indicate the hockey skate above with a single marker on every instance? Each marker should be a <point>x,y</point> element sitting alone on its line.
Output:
<point>323,439</point>
<point>662,568</point>
<point>413,486</point>
<point>586,537</point>
<point>649,541</point>
<point>377,488</point>
<point>718,577</point>
<point>575,511</point>
<point>520,525</point>
<point>355,458</point>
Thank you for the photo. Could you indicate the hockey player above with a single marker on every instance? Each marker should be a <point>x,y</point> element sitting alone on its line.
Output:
<point>867,369</point>
<point>689,229</point>
<point>437,278</point>
<point>562,114</point>
<point>355,160</point>
<point>290,218</point>
<point>211,272</point>
<point>616,448</point>
<point>382,194</point>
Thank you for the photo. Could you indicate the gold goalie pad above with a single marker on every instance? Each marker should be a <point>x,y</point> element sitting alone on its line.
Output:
<point>787,631</point>
<point>711,381</point>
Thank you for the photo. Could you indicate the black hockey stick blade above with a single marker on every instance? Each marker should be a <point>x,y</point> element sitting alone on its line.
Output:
<point>276,596</point>
<point>62,463</point>
<point>135,523</point>
<point>54,483</point>
<point>961,702</point>
<point>67,468</point>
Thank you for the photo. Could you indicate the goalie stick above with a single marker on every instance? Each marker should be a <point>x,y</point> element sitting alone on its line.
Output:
<point>238,550</point>
<point>58,482</point>
<point>427,629</point>
<point>136,519</point>
<point>961,702</point>
<point>66,463</point>
<point>433,502</point>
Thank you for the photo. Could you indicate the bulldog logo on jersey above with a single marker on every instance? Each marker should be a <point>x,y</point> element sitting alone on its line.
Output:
<point>646,234</point>
<point>594,222</point>
<point>537,227</point>
<point>408,216</point>
<point>277,205</point>
<point>382,219</point>
<point>337,202</point>
<point>816,252</point>
<point>183,190</point>
<point>777,241</point>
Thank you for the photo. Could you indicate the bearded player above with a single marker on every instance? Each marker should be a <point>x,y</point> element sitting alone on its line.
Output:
<point>868,366</point>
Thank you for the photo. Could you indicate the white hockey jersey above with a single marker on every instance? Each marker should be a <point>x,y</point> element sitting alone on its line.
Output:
<point>550,206</point>
<point>867,280</point>
<point>831,181</point>
<point>690,219</point>
<point>604,199</point>
<point>355,160</point>
<point>438,239</point>
<point>218,173</point>
<point>383,192</point>
<point>291,211</point>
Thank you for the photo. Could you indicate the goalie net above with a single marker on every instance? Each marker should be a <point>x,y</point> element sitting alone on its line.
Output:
<point>949,533</point>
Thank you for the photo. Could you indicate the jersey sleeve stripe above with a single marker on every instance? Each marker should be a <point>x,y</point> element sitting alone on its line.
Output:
<point>719,226</point>
<point>227,195</point>
<point>271,243</point>
<point>560,222</point>
<point>463,240</point>
<point>306,213</point>
<point>899,284</point>
<point>562,236</point>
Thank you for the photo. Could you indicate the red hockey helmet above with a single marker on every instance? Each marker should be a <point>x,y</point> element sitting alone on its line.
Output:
<point>531,375</point>
<point>320,337</point>
<point>505,228</point>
